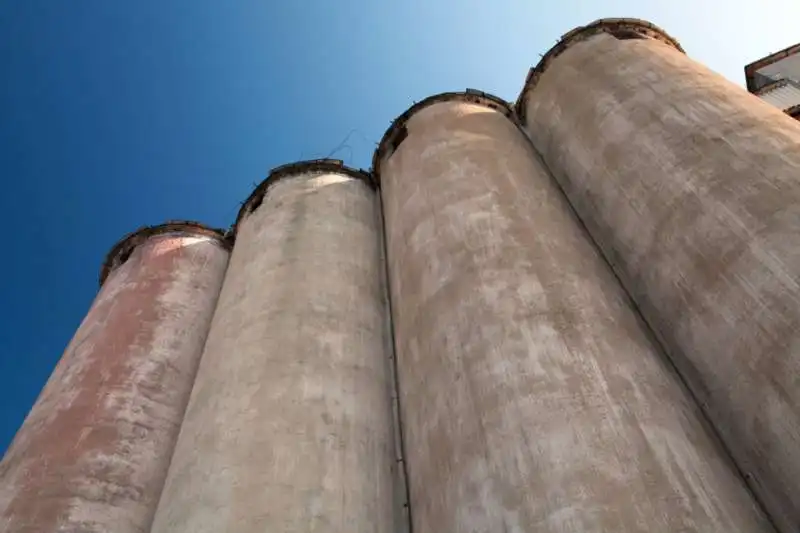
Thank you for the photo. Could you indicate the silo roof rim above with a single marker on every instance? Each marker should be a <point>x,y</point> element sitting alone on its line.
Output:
<point>129,242</point>
<point>335,166</point>
<point>469,95</point>
<point>606,25</point>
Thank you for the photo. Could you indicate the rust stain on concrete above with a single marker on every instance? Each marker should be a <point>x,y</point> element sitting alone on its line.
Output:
<point>93,452</point>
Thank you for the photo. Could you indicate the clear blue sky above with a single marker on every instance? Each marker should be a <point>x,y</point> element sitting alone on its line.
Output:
<point>115,114</point>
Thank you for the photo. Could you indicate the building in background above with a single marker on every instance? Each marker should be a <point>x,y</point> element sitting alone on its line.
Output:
<point>776,79</point>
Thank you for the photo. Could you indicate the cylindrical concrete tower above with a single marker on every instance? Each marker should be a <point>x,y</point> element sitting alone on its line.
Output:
<point>93,453</point>
<point>691,186</point>
<point>532,398</point>
<point>289,424</point>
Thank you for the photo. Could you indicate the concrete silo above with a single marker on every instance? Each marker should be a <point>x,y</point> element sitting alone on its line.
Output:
<point>532,397</point>
<point>690,186</point>
<point>93,453</point>
<point>289,424</point>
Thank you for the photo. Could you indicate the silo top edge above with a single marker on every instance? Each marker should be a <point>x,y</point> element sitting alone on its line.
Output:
<point>394,134</point>
<point>335,166</point>
<point>121,251</point>
<point>621,28</point>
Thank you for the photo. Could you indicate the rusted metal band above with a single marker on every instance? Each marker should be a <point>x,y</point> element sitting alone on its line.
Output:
<point>397,130</point>
<point>316,166</point>
<point>123,249</point>
<point>621,28</point>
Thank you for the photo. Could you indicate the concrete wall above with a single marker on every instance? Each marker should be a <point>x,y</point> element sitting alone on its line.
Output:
<point>691,186</point>
<point>289,424</point>
<point>93,453</point>
<point>532,399</point>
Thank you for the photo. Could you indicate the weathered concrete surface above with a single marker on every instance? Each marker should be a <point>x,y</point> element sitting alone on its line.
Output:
<point>532,398</point>
<point>289,424</point>
<point>691,187</point>
<point>93,453</point>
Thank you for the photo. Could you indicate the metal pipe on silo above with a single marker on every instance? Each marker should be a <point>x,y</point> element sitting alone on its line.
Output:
<point>93,453</point>
<point>690,186</point>
<point>532,397</point>
<point>289,424</point>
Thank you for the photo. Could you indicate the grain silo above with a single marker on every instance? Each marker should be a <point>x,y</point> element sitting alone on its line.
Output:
<point>93,453</point>
<point>532,397</point>
<point>690,186</point>
<point>289,424</point>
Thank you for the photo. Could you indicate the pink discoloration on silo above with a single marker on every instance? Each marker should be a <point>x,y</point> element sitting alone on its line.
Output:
<point>93,453</point>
